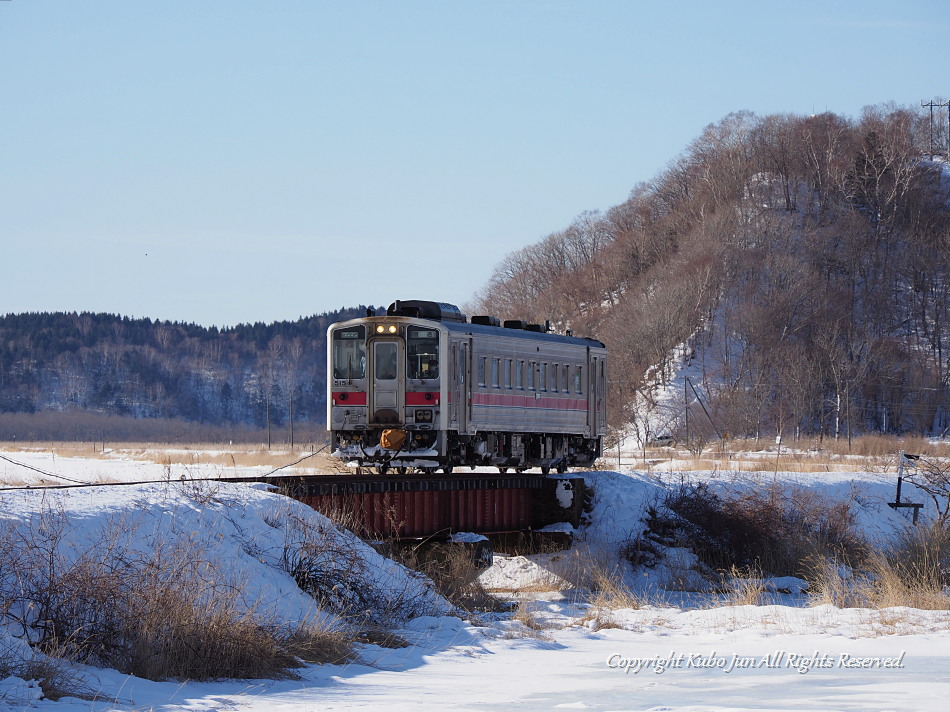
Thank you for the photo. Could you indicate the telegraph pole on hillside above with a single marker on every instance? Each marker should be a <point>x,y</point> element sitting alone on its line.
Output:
<point>933,104</point>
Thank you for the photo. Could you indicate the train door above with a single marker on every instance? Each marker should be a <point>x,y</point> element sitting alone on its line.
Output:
<point>595,393</point>
<point>461,403</point>
<point>384,397</point>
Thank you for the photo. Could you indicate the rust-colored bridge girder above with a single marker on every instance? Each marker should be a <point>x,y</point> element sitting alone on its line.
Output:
<point>415,506</point>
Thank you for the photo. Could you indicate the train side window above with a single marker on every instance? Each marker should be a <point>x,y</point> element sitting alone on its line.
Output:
<point>507,373</point>
<point>519,375</point>
<point>530,378</point>
<point>579,379</point>
<point>554,368</point>
<point>542,376</point>
<point>495,363</point>
<point>481,371</point>
<point>566,379</point>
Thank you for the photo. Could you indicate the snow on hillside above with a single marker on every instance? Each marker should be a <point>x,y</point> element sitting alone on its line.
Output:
<point>682,655</point>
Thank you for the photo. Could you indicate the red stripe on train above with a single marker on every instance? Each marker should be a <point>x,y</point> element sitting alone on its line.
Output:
<point>349,398</point>
<point>513,401</point>
<point>422,398</point>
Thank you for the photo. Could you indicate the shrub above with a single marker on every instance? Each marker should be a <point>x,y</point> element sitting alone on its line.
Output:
<point>777,531</point>
<point>330,565</point>
<point>167,612</point>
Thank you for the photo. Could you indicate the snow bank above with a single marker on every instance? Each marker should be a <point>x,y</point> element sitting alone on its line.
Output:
<point>246,531</point>
<point>570,664</point>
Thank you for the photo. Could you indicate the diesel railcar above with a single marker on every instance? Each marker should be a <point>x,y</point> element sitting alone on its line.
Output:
<point>423,387</point>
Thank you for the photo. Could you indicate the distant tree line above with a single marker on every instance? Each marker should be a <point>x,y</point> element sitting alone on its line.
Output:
<point>254,375</point>
<point>799,264</point>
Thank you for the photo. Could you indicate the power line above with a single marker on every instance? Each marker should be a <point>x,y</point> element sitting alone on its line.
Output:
<point>36,469</point>
<point>79,483</point>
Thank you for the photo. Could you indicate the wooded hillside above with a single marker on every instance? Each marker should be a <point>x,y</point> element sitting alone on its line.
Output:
<point>249,375</point>
<point>802,262</point>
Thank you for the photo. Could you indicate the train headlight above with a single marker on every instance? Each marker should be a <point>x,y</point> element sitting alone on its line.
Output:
<point>380,328</point>
<point>384,328</point>
<point>423,416</point>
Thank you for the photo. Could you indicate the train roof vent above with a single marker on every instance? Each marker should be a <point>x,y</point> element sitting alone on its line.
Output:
<point>485,320</point>
<point>516,324</point>
<point>438,311</point>
<point>535,327</point>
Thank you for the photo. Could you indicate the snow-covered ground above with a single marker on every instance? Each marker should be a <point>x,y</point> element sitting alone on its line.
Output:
<point>673,654</point>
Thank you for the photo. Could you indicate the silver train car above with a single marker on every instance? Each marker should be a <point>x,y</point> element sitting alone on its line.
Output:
<point>424,388</point>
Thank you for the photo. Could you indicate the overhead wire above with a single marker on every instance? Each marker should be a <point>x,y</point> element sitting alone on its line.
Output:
<point>36,469</point>
<point>79,484</point>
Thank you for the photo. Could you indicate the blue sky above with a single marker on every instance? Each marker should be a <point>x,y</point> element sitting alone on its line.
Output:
<point>231,161</point>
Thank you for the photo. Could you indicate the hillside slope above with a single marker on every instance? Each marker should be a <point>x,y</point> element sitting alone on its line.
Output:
<point>800,263</point>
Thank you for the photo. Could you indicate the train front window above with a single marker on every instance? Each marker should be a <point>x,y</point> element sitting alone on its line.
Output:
<point>422,348</point>
<point>349,353</point>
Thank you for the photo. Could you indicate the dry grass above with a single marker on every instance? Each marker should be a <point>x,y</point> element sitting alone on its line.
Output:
<point>56,675</point>
<point>167,612</point>
<point>598,577</point>
<point>94,429</point>
<point>529,618</point>
<point>742,587</point>
<point>868,452</point>
<point>187,455</point>
<point>881,586</point>
<point>321,645</point>
<point>611,595</point>
<point>454,571</point>
<point>915,573</point>
<point>543,581</point>
<point>325,563</point>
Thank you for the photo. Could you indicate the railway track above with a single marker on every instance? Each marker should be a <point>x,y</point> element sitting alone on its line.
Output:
<point>407,506</point>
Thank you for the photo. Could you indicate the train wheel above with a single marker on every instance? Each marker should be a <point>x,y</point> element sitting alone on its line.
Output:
<point>503,470</point>
<point>545,470</point>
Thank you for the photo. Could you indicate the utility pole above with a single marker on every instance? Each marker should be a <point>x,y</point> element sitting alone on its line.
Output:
<point>267,415</point>
<point>933,104</point>
<point>686,402</point>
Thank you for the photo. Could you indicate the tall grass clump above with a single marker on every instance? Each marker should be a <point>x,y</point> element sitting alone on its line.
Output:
<point>913,572</point>
<point>599,577</point>
<point>453,570</point>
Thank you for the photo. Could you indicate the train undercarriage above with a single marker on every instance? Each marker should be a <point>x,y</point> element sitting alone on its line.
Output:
<point>430,451</point>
